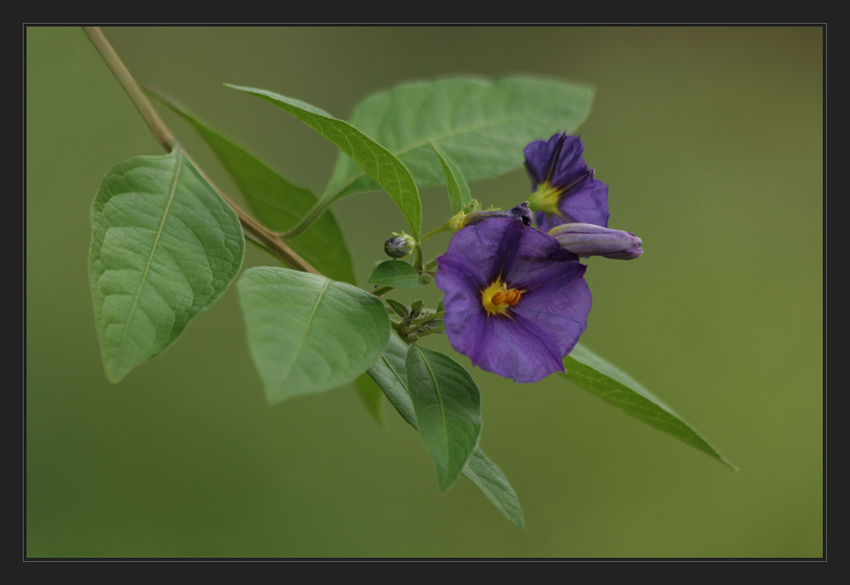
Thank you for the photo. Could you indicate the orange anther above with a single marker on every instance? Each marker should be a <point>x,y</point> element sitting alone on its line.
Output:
<point>506,297</point>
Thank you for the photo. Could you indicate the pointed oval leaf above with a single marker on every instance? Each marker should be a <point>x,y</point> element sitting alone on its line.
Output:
<point>395,273</point>
<point>164,247</point>
<point>398,308</point>
<point>459,195</point>
<point>276,203</point>
<point>390,374</point>
<point>307,333</point>
<point>591,372</point>
<point>373,159</point>
<point>448,410</point>
<point>482,125</point>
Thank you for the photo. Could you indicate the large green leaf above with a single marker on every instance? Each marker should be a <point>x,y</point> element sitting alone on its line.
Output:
<point>373,159</point>
<point>165,246</point>
<point>482,125</point>
<point>390,374</point>
<point>589,371</point>
<point>448,410</point>
<point>276,203</point>
<point>307,333</point>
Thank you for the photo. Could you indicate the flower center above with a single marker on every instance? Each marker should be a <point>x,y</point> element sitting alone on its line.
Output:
<point>496,298</point>
<point>546,199</point>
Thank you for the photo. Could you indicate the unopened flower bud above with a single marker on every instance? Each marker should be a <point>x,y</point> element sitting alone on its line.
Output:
<point>587,239</point>
<point>399,246</point>
<point>521,213</point>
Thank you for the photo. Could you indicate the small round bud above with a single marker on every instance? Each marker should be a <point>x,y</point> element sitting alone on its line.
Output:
<point>399,245</point>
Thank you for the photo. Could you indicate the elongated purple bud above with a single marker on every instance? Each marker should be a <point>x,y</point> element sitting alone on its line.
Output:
<point>587,239</point>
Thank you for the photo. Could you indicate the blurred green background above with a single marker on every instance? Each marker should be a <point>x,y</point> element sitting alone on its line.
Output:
<point>711,141</point>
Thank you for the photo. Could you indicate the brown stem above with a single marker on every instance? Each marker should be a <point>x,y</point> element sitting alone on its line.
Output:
<point>257,231</point>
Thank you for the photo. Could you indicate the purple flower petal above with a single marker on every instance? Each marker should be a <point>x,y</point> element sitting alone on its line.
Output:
<point>516,348</point>
<point>557,161</point>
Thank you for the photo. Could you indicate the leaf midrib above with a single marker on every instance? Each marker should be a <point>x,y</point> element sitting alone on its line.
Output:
<point>172,191</point>
<point>309,323</point>
<point>440,404</point>
<point>488,487</point>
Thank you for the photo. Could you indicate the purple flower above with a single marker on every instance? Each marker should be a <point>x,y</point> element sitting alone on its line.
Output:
<point>564,188</point>
<point>515,301</point>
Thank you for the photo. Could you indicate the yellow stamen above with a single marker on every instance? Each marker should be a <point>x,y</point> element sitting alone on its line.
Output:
<point>496,298</point>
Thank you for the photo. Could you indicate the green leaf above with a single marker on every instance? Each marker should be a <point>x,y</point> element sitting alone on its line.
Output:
<point>482,125</point>
<point>307,333</point>
<point>371,396</point>
<point>490,480</point>
<point>390,374</point>
<point>459,195</point>
<point>165,246</point>
<point>589,371</point>
<point>395,273</point>
<point>398,308</point>
<point>371,158</point>
<point>276,203</point>
<point>448,410</point>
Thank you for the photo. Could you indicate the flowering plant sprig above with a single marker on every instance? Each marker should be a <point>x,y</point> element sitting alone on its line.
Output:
<point>167,243</point>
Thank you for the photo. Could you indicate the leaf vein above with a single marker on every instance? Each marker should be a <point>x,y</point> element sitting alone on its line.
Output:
<point>172,191</point>
<point>300,346</point>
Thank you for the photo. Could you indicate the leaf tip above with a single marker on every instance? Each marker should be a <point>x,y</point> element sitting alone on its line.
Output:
<point>115,378</point>
<point>445,483</point>
<point>729,464</point>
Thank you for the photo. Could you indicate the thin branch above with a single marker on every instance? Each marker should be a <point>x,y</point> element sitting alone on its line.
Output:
<point>157,126</point>
<point>256,230</point>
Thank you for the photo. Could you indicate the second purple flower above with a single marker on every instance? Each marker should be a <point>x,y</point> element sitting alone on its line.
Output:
<point>564,188</point>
